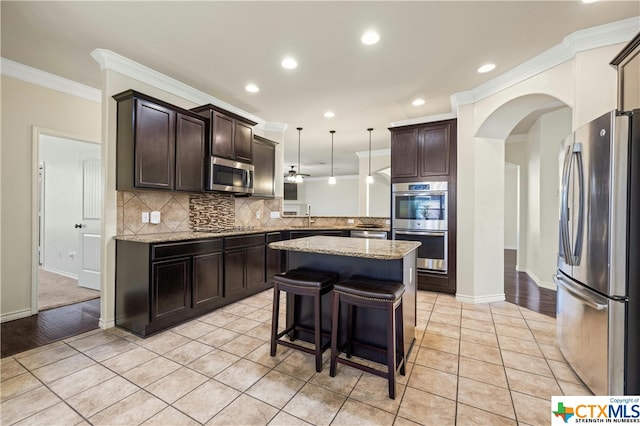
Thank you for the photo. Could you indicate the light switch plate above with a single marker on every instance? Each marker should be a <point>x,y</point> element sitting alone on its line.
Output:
<point>275,215</point>
<point>145,217</point>
<point>349,221</point>
<point>155,217</point>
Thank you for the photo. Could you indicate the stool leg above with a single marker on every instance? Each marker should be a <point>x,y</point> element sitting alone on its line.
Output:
<point>335,315</point>
<point>318,330</point>
<point>391,350</point>
<point>274,318</point>
<point>400,324</point>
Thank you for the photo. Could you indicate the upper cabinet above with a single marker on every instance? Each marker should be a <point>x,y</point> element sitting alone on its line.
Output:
<point>231,135</point>
<point>627,62</point>
<point>159,146</point>
<point>423,152</point>
<point>264,161</point>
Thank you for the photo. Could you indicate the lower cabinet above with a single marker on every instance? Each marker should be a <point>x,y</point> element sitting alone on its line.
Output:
<point>207,281</point>
<point>275,258</point>
<point>245,263</point>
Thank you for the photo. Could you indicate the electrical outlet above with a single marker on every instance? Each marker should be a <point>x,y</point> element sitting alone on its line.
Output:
<point>350,221</point>
<point>145,217</point>
<point>155,217</point>
<point>275,215</point>
<point>387,222</point>
<point>258,214</point>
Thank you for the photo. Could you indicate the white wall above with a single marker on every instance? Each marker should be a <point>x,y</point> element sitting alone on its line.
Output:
<point>326,200</point>
<point>63,200</point>
<point>372,200</point>
<point>510,206</point>
<point>25,105</point>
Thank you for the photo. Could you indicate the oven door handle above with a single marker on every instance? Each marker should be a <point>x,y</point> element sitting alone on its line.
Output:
<point>422,233</point>
<point>418,193</point>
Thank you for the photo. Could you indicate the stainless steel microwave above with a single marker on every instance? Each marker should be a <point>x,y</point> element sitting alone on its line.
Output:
<point>230,176</point>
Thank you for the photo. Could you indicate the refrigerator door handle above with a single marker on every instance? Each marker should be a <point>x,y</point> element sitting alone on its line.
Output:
<point>579,293</point>
<point>564,209</point>
<point>577,248</point>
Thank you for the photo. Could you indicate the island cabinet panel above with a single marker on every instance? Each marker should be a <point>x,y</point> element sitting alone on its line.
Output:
<point>231,135</point>
<point>264,161</point>
<point>159,145</point>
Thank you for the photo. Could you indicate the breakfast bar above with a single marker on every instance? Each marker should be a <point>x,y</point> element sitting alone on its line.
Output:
<point>382,260</point>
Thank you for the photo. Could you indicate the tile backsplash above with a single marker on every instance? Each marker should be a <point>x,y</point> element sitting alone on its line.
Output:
<point>181,212</point>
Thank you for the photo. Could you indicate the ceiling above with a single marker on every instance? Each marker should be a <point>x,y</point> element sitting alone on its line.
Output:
<point>428,49</point>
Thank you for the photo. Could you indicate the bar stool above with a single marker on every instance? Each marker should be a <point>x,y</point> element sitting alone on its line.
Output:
<point>384,295</point>
<point>302,282</point>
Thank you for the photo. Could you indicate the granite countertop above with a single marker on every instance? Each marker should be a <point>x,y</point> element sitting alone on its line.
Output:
<point>197,235</point>
<point>351,247</point>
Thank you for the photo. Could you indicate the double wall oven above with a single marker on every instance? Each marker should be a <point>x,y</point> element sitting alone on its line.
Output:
<point>419,213</point>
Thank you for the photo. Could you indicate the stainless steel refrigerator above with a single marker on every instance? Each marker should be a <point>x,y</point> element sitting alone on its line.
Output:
<point>598,278</point>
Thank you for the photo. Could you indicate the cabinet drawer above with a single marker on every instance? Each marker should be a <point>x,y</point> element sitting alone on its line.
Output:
<point>274,236</point>
<point>169,250</point>
<point>244,241</point>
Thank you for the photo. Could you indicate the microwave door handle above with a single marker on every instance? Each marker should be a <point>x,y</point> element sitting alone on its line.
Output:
<point>564,209</point>
<point>577,250</point>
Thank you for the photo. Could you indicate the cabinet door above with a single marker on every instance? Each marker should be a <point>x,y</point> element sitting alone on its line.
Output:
<point>234,272</point>
<point>434,151</point>
<point>154,145</point>
<point>404,153</point>
<point>256,263</point>
<point>171,284</point>
<point>264,159</point>
<point>243,142</point>
<point>190,153</point>
<point>207,279</point>
<point>222,136</point>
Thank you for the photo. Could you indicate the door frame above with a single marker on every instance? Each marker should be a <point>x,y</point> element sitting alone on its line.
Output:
<point>36,132</point>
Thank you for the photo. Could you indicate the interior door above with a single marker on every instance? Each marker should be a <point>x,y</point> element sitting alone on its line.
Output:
<point>90,224</point>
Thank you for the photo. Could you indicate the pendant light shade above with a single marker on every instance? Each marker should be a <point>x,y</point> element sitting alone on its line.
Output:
<point>332,179</point>
<point>369,177</point>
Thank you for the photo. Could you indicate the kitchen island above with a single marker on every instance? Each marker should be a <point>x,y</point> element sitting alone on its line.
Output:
<point>377,259</point>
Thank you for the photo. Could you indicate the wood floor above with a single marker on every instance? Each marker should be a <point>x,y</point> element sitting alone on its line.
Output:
<point>49,326</point>
<point>60,323</point>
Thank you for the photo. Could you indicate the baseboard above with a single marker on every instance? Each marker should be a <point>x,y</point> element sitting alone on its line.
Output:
<point>480,299</point>
<point>63,273</point>
<point>539,282</point>
<point>15,315</point>
<point>511,247</point>
<point>106,324</point>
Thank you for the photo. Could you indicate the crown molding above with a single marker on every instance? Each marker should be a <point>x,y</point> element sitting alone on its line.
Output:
<point>115,62</point>
<point>423,120</point>
<point>50,81</point>
<point>273,126</point>
<point>579,41</point>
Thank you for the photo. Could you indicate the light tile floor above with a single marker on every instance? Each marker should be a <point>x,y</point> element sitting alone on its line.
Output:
<point>488,364</point>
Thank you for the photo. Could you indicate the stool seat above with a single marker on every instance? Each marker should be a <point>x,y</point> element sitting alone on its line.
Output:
<point>371,289</point>
<point>306,278</point>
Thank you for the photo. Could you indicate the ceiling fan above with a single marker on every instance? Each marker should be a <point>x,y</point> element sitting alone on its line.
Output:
<point>293,176</point>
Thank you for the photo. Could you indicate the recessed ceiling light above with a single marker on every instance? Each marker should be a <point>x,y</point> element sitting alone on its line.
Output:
<point>417,102</point>
<point>289,63</point>
<point>370,37</point>
<point>251,88</point>
<point>329,114</point>
<point>486,68</point>
<point>589,1</point>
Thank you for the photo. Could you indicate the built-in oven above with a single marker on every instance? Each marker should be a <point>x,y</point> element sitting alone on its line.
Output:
<point>419,213</point>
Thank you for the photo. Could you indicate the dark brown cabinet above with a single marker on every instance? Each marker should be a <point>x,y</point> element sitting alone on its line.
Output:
<point>244,263</point>
<point>231,135</point>
<point>275,259</point>
<point>264,161</point>
<point>159,146</point>
<point>423,152</point>
<point>161,285</point>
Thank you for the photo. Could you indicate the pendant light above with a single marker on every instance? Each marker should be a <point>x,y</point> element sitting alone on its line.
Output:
<point>369,177</point>
<point>332,179</point>
<point>299,178</point>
